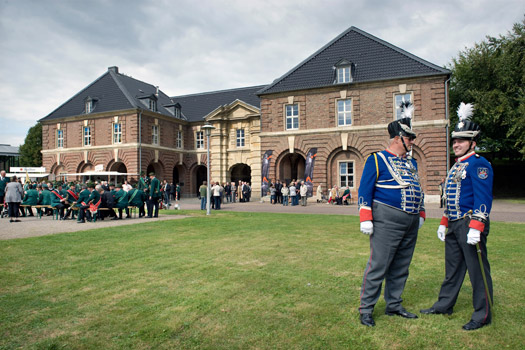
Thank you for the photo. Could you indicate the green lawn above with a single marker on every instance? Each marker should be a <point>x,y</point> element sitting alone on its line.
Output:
<point>238,281</point>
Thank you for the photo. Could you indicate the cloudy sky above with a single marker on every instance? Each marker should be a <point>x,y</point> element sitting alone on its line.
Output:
<point>51,49</point>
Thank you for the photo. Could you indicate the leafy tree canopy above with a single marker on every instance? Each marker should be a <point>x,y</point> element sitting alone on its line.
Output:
<point>30,155</point>
<point>491,75</point>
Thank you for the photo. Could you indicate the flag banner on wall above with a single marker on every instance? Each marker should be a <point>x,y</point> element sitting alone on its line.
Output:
<point>309,171</point>
<point>265,171</point>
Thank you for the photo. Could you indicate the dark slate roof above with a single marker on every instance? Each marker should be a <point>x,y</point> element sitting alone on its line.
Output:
<point>373,60</point>
<point>112,92</point>
<point>8,150</point>
<point>197,106</point>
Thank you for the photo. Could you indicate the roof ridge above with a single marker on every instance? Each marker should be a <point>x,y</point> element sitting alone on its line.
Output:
<point>219,91</point>
<point>339,37</point>
<point>400,50</point>
<point>75,95</point>
<point>308,59</point>
<point>123,88</point>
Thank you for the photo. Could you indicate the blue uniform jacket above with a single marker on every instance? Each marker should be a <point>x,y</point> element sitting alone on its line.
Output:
<point>469,189</point>
<point>392,181</point>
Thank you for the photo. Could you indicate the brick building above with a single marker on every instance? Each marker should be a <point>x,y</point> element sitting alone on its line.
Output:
<point>333,107</point>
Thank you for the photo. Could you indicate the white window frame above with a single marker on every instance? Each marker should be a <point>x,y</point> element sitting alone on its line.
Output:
<point>291,113</point>
<point>241,138</point>
<point>179,139</point>
<point>347,175</point>
<point>117,133</point>
<point>60,138</point>
<point>346,114</point>
<point>397,101</point>
<point>344,74</point>
<point>152,105</point>
<point>199,139</point>
<point>86,136</point>
<point>89,106</point>
<point>154,134</point>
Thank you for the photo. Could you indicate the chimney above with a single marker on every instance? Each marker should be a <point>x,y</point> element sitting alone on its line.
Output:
<point>157,92</point>
<point>113,69</point>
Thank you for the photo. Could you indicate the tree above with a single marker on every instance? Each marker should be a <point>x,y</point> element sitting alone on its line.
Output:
<point>491,75</point>
<point>30,155</point>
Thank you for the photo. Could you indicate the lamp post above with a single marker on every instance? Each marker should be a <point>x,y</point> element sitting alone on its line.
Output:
<point>207,129</point>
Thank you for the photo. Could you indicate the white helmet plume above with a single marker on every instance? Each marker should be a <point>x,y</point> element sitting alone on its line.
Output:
<point>407,109</point>
<point>465,111</point>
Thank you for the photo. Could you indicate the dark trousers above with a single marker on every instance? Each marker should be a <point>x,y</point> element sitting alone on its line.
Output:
<point>217,200</point>
<point>153,204</point>
<point>459,258</point>
<point>391,248</point>
<point>60,207</point>
<point>14,208</point>
<point>84,213</point>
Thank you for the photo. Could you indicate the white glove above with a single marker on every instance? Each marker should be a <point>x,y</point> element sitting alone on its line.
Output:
<point>421,222</point>
<point>442,231</point>
<point>367,227</point>
<point>473,236</point>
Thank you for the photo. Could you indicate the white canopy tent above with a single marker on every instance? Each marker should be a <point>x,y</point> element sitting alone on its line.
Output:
<point>99,174</point>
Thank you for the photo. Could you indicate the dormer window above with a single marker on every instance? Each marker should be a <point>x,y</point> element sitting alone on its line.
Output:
<point>152,105</point>
<point>89,105</point>
<point>174,109</point>
<point>150,101</point>
<point>343,74</point>
<point>343,70</point>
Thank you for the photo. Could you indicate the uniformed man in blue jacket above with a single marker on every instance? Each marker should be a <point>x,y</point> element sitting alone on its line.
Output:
<point>391,210</point>
<point>468,191</point>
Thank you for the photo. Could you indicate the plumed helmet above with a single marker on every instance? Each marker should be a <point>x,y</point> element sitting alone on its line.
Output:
<point>466,129</point>
<point>403,126</point>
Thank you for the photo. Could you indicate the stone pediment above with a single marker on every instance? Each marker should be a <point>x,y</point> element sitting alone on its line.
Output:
<point>237,110</point>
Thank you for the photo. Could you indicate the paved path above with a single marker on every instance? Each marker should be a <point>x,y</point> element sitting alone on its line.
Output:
<point>501,210</point>
<point>32,226</point>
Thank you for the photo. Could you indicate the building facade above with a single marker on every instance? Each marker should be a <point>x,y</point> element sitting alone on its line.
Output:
<point>318,121</point>
<point>335,106</point>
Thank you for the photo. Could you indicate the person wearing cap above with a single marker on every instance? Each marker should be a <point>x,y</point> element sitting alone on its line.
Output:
<point>46,196</point>
<point>391,210</point>
<point>468,191</point>
<point>136,198</point>
<point>121,201</point>
<point>30,199</point>
<point>59,199</point>
<point>153,196</point>
<point>72,197</point>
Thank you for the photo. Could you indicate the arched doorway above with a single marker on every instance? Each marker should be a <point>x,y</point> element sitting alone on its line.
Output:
<point>84,167</point>
<point>241,172</point>
<point>121,168</point>
<point>200,177</point>
<point>58,174</point>
<point>291,167</point>
<point>176,179</point>
<point>155,168</point>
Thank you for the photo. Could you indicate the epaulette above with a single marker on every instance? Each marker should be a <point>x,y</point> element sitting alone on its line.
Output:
<point>477,155</point>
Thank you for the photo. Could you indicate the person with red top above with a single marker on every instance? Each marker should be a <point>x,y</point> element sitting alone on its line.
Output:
<point>468,191</point>
<point>391,210</point>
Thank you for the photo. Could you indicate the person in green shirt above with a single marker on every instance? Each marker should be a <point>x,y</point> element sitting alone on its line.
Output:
<point>153,196</point>
<point>202,194</point>
<point>121,201</point>
<point>30,198</point>
<point>136,199</point>
<point>59,199</point>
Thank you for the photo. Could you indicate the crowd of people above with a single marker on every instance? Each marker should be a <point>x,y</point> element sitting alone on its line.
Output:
<point>227,192</point>
<point>88,201</point>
